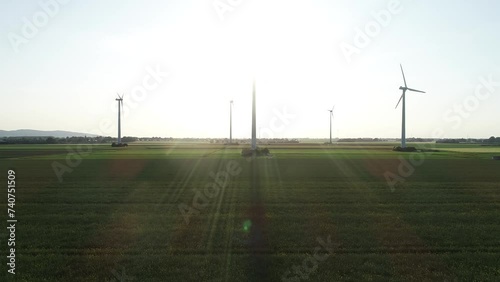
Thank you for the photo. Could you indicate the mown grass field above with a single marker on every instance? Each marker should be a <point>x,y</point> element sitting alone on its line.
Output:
<point>116,215</point>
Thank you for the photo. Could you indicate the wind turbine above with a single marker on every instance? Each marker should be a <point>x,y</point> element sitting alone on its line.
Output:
<point>254,129</point>
<point>403,127</point>
<point>230,122</point>
<point>120,103</point>
<point>331,118</point>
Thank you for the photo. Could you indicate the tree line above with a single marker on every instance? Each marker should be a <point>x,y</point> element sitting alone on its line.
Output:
<point>63,140</point>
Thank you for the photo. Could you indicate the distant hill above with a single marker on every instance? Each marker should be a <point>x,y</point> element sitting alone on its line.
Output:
<point>40,133</point>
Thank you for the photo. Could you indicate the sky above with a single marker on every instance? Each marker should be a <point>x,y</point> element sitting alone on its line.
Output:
<point>180,62</point>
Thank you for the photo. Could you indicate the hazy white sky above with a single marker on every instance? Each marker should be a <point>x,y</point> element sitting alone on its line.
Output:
<point>62,63</point>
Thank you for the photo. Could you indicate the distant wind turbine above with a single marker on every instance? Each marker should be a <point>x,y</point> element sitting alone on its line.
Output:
<point>231,122</point>
<point>331,119</point>
<point>120,107</point>
<point>254,120</point>
<point>403,129</point>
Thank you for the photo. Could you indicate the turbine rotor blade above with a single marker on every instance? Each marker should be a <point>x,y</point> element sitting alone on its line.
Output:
<point>415,90</point>
<point>404,79</point>
<point>399,100</point>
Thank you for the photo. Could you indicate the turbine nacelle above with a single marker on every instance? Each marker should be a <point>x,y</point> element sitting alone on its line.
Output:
<point>120,101</point>
<point>120,98</point>
<point>331,111</point>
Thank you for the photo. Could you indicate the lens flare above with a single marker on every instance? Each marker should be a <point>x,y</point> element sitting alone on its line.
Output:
<point>246,225</point>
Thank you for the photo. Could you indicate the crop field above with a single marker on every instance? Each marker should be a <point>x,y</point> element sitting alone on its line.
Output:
<point>201,212</point>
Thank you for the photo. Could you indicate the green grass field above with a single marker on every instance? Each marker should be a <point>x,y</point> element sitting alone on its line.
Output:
<point>116,215</point>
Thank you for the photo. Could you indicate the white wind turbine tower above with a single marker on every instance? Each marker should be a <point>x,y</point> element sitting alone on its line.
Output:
<point>230,122</point>
<point>331,119</point>
<point>254,129</point>
<point>120,107</point>
<point>403,127</point>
